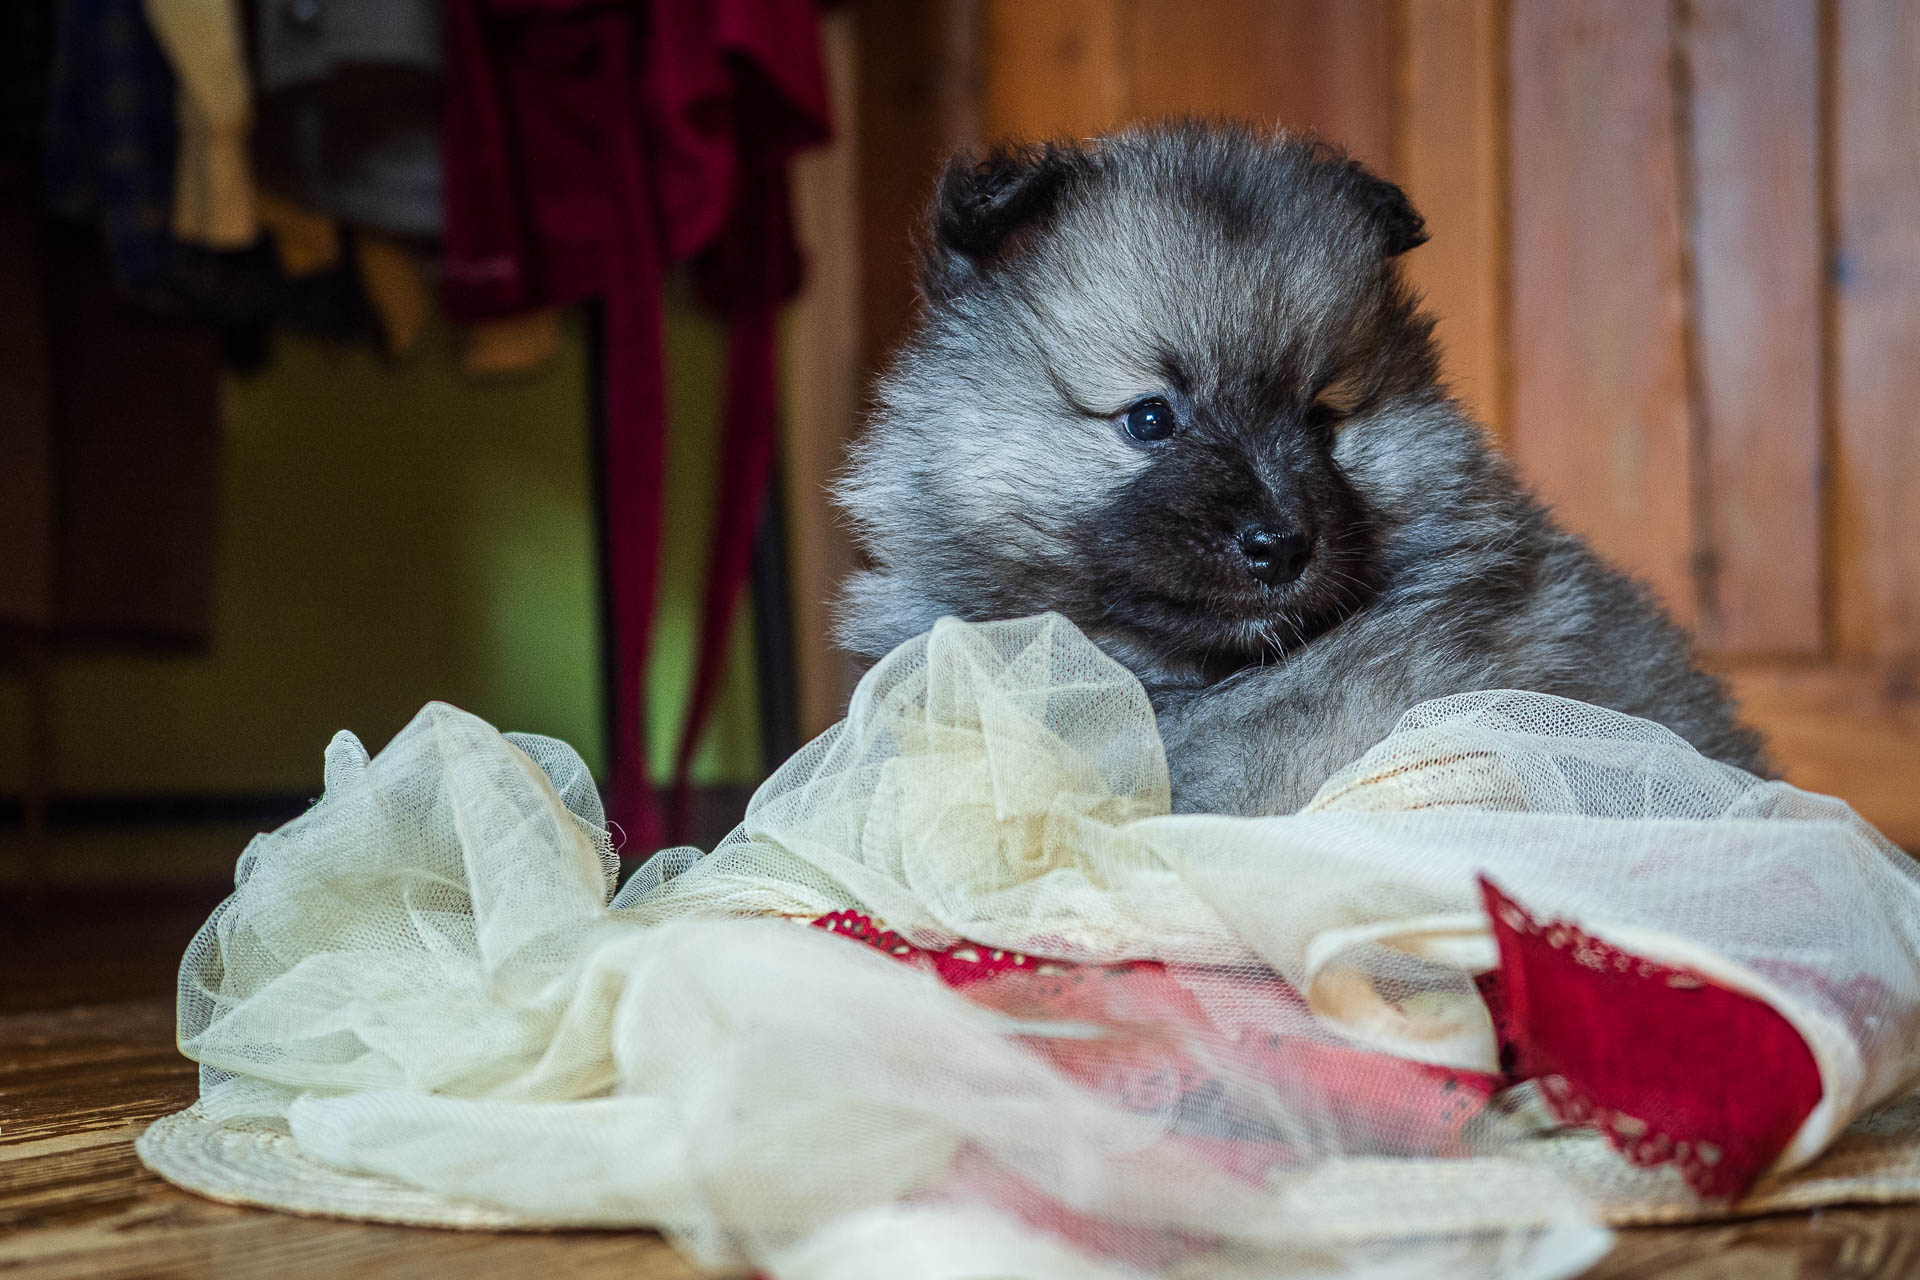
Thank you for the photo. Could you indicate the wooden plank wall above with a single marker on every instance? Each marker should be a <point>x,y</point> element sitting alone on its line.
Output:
<point>1676,257</point>
<point>824,373</point>
<point>1601,424</point>
<point>1751,122</point>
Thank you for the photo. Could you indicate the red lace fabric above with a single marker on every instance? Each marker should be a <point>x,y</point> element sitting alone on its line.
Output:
<point>1672,1067</point>
<point>1113,1028</point>
<point>1668,1065</point>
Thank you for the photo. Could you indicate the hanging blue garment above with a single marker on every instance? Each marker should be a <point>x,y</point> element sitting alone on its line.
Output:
<point>111,136</point>
<point>112,133</point>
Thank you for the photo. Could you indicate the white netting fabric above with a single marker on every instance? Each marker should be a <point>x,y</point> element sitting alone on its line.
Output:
<point>425,979</point>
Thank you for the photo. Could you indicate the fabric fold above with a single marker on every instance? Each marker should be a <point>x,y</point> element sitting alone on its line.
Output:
<point>960,965</point>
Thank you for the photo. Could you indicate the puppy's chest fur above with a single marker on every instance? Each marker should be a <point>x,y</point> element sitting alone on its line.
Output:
<point>1532,608</point>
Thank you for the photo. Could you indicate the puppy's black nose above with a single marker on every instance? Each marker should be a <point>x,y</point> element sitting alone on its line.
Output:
<point>1274,555</point>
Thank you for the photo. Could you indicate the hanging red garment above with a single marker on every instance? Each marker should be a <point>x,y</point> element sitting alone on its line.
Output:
<point>588,145</point>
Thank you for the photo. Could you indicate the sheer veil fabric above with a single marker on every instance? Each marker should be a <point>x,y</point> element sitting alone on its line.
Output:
<point>1041,1026</point>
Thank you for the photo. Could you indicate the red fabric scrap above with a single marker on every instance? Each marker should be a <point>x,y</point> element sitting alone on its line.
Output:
<point>1670,1066</point>
<point>1149,1016</point>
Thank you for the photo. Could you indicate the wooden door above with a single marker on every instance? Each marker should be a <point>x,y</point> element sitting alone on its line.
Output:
<point>1676,257</point>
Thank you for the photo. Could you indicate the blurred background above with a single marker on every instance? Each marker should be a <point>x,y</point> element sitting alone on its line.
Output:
<point>352,352</point>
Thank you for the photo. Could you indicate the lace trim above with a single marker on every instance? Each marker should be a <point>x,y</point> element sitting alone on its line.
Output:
<point>1642,1142</point>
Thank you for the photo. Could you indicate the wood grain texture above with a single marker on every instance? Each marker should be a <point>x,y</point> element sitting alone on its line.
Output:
<point>1451,148</point>
<point>1876,463</point>
<point>1850,730</point>
<point>1053,70</point>
<point>1857,1244</point>
<point>918,98</point>
<point>1324,65</point>
<point>1754,70</point>
<point>823,386</point>
<point>1600,419</point>
<point>78,1085</point>
<point>1347,55</point>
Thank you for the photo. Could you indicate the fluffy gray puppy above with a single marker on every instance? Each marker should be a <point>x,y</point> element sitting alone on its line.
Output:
<point>1173,385</point>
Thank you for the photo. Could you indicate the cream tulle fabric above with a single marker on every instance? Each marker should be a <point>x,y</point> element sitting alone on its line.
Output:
<point>428,979</point>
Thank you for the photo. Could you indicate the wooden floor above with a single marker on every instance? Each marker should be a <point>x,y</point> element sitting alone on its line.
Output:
<point>87,1059</point>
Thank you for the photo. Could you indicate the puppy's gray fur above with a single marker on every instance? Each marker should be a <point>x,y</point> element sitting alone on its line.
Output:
<point>1251,284</point>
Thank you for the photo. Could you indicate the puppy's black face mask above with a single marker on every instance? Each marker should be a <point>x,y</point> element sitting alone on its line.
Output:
<point>1231,545</point>
<point>1134,394</point>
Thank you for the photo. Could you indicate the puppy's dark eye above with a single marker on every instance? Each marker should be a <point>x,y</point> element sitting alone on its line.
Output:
<point>1150,420</point>
<point>1337,401</point>
<point>1321,419</point>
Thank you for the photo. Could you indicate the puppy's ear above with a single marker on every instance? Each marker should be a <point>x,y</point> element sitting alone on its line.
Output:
<point>985,208</point>
<point>1387,206</point>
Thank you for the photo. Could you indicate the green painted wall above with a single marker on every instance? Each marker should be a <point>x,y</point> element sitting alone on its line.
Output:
<point>394,533</point>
